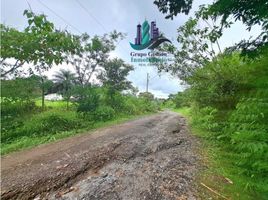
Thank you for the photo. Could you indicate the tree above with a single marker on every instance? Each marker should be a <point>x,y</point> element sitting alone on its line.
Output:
<point>249,12</point>
<point>64,80</point>
<point>13,45</point>
<point>198,46</point>
<point>115,74</point>
<point>147,95</point>
<point>88,99</point>
<point>173,7</point>
<point>114,77</point>
<point>40,45</point>
<point>92,55</point>
<point>134,90</point>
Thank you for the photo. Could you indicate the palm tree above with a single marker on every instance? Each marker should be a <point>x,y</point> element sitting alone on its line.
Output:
<point>64,80</point>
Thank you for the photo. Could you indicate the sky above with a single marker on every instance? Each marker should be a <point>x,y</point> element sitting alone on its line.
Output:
<point>97,17</point>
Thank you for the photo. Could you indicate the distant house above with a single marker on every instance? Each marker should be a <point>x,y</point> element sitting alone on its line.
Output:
<point>53,97</point>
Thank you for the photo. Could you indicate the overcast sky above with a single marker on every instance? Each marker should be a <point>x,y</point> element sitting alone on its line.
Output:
<point>103,16</point>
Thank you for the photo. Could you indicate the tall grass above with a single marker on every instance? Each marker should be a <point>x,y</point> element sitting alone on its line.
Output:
<point>21,129</point>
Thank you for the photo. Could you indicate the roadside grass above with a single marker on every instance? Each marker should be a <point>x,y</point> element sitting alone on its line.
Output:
<point>52,125</point>
<point>219,177</point>
<point>185,111</point>
<point>53,104</point>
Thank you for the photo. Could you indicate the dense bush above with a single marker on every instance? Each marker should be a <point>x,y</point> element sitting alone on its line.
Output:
<point>88,100</point>
<point>22,125</point>
<point>205,118</point>
<point>20,89</point>
<point>248,132</point>
<point>168,103</point>
<point>103,113</point>
<point>49,122</point>
<point>133,105</point>
<point>179,100</point>
<point>16,108</point>
<point>233,108</point>
<point>221,82</point>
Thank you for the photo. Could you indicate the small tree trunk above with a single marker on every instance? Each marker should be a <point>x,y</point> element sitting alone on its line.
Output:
<point>43,94</point>
<point>68,103</point>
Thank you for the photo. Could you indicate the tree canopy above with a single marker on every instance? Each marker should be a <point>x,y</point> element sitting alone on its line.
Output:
<point>39,44</point>
<point>247,11</point>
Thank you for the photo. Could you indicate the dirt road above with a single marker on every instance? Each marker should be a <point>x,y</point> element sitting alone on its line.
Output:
<point>150,158</point>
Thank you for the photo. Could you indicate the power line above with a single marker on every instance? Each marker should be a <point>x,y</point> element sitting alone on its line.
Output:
<point>97,21</point>
<point>155,76</point>
<point>91,15</point>
<point>59,17</point>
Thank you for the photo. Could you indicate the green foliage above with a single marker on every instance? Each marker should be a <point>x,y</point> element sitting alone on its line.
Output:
<point>114,78</point>
<point>103,113</point>
<point>55,105</point>
<point>19,89</point>
<point>133,105</point>
<point>88,100</point>
<point>249,12</point>
<point>198,46</point>
<point>40,43</point>
<point>248,132</point>
<point>114,75</point>
<point>169,103</point>
<point>147,96</point>
<point>229,94</point>
<point>221,82</point>
<point>93,54</point>
<point>173,7</point>
<point>65,80</point>
<point>114,99</point>
<point>49,122</point>
<point>179,100</point>
<point>13,109</point>
<point>150,106</point>
<point>236,115</point>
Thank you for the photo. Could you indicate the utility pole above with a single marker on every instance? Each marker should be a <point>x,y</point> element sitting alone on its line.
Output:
<point>147,82</point>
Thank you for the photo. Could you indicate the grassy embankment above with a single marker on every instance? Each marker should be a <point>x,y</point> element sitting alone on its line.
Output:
<point>35,128</point>
<point>220,179</point>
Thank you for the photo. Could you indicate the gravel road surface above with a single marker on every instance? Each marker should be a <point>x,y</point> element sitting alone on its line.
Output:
<point>153,157</point>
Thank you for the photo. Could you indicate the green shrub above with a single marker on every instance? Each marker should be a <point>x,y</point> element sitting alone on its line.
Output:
<point>150,106</point>
<point>49,122</point>
<point>12,115</point>
<point>116,101</point>
<point>16,108</point>
<point>169,104</point>
<point>248,130</point>
<point>220,83</point>
<point>88,101</point>
<point>103,113</point>
<point>235,109</point>
<point>132,105</point>
<point>205,118</point>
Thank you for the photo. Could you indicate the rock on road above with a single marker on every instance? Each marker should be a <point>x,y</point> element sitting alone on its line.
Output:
<point>148,158</point>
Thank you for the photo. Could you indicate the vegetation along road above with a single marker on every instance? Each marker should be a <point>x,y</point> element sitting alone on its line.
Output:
<point>148,158</point>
